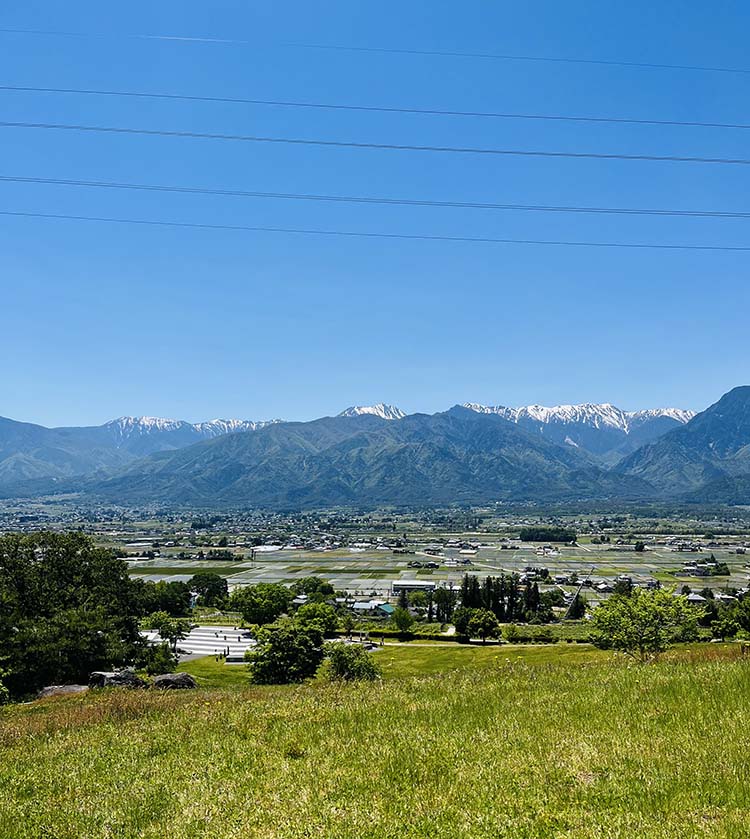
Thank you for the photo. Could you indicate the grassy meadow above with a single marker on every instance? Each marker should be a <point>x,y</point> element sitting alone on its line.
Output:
<point>454,743</point>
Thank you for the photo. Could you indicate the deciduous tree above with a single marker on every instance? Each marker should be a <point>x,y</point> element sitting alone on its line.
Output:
<point>644,624</point>
<point>212,589</point>
<point>483,624</point>
<point>67,607</point>
<point>320,615</point>
<point>350,662</point>
<point>284,654</point>
<point>261,603</point>
<point>402,619</point>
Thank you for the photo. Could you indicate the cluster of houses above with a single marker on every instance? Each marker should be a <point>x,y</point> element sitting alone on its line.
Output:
<point>719,596</point>
<point>689,545</point>
<point>374,608</point>
<point>694,568</point>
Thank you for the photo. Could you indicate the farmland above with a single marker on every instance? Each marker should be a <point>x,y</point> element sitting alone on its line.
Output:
<point>373,571</point>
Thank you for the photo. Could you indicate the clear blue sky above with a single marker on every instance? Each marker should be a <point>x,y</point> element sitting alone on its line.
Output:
<point>102,320</point>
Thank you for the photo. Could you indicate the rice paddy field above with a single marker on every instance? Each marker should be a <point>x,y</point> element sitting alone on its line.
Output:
<point>453,743</point>
<point>372,572</point>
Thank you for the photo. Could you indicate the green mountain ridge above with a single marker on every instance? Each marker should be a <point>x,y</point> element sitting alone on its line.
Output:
<point>714,447</point>
<point>455,456</point>
<point>462,455</point>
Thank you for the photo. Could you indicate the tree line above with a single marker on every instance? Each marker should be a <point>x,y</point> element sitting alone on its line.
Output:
<point>547,534</point>
<point>508,599</point>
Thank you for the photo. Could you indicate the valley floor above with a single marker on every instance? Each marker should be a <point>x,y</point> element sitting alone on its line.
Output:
<point>490,744</point>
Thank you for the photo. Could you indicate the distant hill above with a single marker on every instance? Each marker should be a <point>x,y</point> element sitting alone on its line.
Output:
<point>704,458</point>
<point>456,456</point>
<point>732,491</point>
<point>31,452</point>
<point>604,431</point>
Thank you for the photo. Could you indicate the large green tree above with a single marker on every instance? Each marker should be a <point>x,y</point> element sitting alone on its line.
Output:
<point>461,618</point>
<point>483,624</point>
<point>285,653</point>
<point>314,587</point>
<point>577,609</point>
<point>211,588</point>
<point>172,597</point>
<point>261,603</point>
<point>645,623</point>
<point>320,615</point>
<point>445,602</point>
<point>67,607</point>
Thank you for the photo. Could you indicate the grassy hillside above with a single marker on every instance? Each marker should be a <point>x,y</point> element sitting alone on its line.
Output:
<point>490,747</point>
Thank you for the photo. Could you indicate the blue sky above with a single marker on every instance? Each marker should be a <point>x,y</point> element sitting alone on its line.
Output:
<point>101,320</point>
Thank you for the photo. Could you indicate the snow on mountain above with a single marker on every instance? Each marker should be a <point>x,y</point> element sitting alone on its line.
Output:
<point>387,412</point>
<point>126,428</point>
<point>218,427</point>
<point>604,431</point>
<point>678,414</point>
<point>604,415</point>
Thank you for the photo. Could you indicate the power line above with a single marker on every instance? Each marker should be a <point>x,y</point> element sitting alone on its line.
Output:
<point>363,199</point>
<point>130,36</point>
<point>385,109</point>
<point>299,141</point>
<point>372,235</point>
<point>199,39</point>
<point>647,65</point>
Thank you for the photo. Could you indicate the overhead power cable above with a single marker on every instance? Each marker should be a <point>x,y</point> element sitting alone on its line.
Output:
<point>385,109</point>
<point>646,65</point>
<point>374,235</point>
<point>365,199</point>
<point>300,141</point>
<point>238,42</point>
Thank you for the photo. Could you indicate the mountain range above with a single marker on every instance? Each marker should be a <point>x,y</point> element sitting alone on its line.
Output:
<point>33,452</point>
<point>455,456</point>
<point>378,455</point>
<point>604,431</point>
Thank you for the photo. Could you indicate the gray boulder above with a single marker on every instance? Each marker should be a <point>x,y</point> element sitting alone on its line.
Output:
<point>126,678</point>
<point>175,681</point>
<point>61,690</point>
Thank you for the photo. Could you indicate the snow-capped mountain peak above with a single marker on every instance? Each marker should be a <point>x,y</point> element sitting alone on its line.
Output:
<point>387,412</point>
<point>601,416</point>
<point>129,426</point>
<point>604,415</point>
<point>678,414</point>
<point>600,430</point>
<point>589,413</point>
<point>218,427</point>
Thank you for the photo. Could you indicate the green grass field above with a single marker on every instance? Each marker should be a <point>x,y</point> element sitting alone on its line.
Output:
<point>454,743</point>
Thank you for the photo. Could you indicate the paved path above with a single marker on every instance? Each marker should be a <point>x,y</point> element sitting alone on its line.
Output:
<point>211,640</point>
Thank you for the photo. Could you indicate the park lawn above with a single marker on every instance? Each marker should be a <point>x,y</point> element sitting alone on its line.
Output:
<point>210,673</point>
<point>422,658</point>
<point>415,659</point>
<point>513,751</point>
